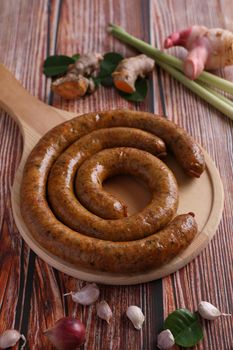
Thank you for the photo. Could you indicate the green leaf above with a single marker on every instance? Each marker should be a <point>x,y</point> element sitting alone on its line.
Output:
<point>107,81</point>
<point>56,65</point>
<point>107,66</point>
<point>140,93</point>
<point>97,81</point>
<point>76,57</point>
<point>109,63</point>
<point>185,327</point>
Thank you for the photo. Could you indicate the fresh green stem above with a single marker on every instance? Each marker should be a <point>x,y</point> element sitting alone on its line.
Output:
<point>214,80</point>
<point>219,103</point>
<point>223,98</point>
<point>156,54</point>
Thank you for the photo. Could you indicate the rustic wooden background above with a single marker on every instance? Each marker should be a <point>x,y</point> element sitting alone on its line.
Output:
<point>31,292</point>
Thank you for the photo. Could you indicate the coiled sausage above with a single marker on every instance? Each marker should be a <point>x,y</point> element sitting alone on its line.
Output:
<point>83,249</point>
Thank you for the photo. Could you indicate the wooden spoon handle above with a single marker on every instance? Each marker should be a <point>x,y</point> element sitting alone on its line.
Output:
<point>24,108</point>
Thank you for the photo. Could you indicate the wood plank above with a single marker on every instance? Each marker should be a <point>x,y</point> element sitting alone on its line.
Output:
<point>208,277</point>
<point>10,151</point>
<point>31,293</point>
<point>88,33</point>
<point>24,49</point>
<point>40,300</point>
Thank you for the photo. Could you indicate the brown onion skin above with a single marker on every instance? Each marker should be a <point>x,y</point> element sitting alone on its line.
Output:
<point>68,333</point>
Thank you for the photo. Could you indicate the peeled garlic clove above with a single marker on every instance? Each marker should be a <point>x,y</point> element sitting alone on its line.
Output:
<point>10,337</point>
<point>134,313</point>
<point>87,295</point>
<point>165,340</point>
<point>209,311</point>
<point>104,311</point>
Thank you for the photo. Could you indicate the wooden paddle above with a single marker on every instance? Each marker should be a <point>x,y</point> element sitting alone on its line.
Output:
<point>35,118</point>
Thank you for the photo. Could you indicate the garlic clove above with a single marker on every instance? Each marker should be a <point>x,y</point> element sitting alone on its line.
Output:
<point>209,311</point>
<point>165,340</point>
<point>134,313</point>
<point>10,337</point>
<point>87,295</point>
<point>104,311</point>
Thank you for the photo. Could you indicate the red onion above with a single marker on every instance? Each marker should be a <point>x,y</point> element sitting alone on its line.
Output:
<point>67,334</point>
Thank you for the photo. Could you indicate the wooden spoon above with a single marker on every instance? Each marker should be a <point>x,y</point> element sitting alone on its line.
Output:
<point>35,118</point>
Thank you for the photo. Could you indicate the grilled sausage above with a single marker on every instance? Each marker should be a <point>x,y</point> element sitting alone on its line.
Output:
<point>108,163</point>
<point>72,158</point>
<point>74,215</point>
<point>80,249</point>
<point>153,217</point>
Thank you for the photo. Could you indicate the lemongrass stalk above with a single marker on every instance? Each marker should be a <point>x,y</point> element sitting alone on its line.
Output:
<point>155,53</point>
<point>225,99</point>
<point>199,90</point>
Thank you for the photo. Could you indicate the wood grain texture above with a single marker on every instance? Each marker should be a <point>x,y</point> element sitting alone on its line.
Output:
<point>208,277</point>
<point>71,27</point>
<point>31,292</point>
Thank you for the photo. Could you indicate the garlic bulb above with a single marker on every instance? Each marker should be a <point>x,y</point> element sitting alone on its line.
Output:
<point>209,311</point>
<point>134,313</point>
<point>165,340</point>
<point>10,337</point>
<point>104,311</point>
<point>87,295</point>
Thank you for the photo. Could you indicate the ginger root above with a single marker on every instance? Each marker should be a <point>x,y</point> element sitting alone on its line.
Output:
<point>207,48</point>
<point>77,81</point>
<point>86,65</point>
<point>129,69</point>
<point>71,87</point>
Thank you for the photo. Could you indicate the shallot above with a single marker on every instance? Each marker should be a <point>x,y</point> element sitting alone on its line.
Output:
<point>67,333</point>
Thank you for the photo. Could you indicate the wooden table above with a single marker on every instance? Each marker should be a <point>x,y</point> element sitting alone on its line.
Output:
<point>31,292</point>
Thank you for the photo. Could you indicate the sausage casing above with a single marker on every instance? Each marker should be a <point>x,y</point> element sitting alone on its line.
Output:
<point>79,248</point>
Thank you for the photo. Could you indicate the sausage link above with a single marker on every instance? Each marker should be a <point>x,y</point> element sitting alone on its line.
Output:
<point>117,257</point>
<point>108,138</point>
<point>81,249</point>
<point>108,163</point>
<point>153,217</point>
